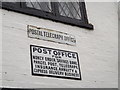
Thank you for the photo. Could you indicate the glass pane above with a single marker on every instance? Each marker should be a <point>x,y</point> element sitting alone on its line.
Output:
<point>44,6</point>
<point>70,9</point>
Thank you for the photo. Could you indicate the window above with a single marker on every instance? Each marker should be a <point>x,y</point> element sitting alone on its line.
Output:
<point>72,13</point>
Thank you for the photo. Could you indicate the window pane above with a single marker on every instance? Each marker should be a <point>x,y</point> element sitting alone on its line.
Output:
<point>70,9</point>
<point>44,6</point>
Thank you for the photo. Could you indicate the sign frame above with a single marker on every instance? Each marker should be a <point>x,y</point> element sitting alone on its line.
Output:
<point>32,72</point>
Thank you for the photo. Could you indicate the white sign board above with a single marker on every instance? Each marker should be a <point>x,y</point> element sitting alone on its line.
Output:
<point>54,62</point>
<point>50,35</point>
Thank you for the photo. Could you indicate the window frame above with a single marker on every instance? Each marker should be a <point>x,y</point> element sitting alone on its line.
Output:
<point>54,15</point>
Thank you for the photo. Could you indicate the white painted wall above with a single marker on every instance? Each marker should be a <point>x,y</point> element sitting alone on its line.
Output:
<point>0,47</point>
<point>97,49</point>
<point>118,42</point>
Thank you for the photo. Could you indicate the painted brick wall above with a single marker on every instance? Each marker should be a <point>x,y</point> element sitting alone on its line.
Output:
<point>97,49</point>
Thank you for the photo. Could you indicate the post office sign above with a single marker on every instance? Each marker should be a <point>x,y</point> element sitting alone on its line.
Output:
<point>50,35</point>
<point>54,62</point>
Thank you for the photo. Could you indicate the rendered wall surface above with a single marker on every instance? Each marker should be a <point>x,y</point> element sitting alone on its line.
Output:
<point>118,43</point>
<point>0,47</point>
<point>97,49</point>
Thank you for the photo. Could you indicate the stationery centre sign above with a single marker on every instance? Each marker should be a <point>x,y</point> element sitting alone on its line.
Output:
<point>50,35</point>
<point>54,62</point>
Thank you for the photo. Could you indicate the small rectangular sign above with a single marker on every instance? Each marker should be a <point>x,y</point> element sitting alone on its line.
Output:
<point>50,35</point>
<point>54,62</point>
